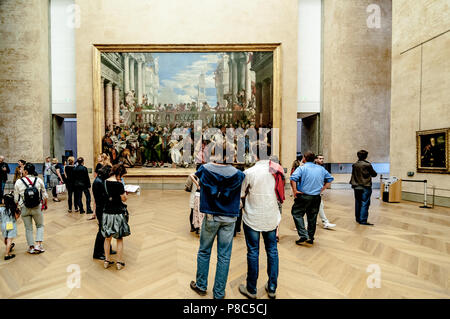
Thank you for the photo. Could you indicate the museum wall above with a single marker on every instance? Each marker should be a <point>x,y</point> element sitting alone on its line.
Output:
<point>355,111</point>
<point>420,87</point>
<point>24,80</point>
<point>186,22</point>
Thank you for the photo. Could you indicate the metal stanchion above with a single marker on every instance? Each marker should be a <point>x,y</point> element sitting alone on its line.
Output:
<point>425,196</point>
<point>424,192</point>
<point>434,188</point>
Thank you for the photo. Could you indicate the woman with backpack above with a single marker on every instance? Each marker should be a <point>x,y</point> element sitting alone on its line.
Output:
<point>55,178</point>
<point>28,193</point>
<point>8,219</point>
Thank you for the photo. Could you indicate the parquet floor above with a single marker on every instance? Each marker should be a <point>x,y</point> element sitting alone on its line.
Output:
<point>410,245</point>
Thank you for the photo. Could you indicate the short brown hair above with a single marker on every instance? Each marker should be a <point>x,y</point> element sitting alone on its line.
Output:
<point>118,170</point>
<point>309,156</point>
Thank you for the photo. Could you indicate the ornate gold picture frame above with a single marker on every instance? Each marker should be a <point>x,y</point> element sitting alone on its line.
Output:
<point>98,49</point>
<point>432,149</point>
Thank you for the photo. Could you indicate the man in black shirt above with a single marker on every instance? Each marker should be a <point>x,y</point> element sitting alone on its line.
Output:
<point>4,171</point>
<point>98,190</point>
<point>82,183</point>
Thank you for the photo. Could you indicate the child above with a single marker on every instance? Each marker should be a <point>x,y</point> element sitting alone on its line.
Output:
<point>8,224</point>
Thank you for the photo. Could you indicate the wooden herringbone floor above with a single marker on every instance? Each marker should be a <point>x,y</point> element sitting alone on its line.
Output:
<point>410,245</point>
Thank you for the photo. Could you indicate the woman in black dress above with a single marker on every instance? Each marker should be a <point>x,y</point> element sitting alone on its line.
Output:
<point>115,219</point>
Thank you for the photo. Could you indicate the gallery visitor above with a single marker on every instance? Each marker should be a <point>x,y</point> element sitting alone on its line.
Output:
<point>31,205</point>
<point>308,182</point>
<point>46,171</point>
<point>8,217</point>
<point>82,185</point>
<point>115,215</point>
<point>220,188</point>
<point>18,172</point>
<point>68,172</point>
<point>361,181</point>
<point>325,222</point>
<point>98,190</point>
<point>4,171</point>
<point>261,216</point>
<point>55,178</point>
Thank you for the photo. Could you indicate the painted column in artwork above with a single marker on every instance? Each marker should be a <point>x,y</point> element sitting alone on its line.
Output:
<point>235,77</point>
<point>109,105</point>
<point>102,102</point>
<point>243,71</point>
<point>258,103</point>
<point>248,81</point>
<point>126,76</point>
<point>144,87</point>
<point>265,102</point>
<point>132,75</point>
<point>139,84</point>
<point>230,74</point>
<point>116,105</point>
<point>271,101</point>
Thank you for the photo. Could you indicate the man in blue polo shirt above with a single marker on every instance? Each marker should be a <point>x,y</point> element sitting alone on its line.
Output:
<point>308,182</point>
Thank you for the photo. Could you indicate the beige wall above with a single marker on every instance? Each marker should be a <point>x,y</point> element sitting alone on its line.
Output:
<point>356,81</point>
<point>24,80</point>
<point>420,83</point>
<point>186,22</point>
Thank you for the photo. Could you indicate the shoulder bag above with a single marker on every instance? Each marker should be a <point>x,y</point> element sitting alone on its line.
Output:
<point>123,208</point>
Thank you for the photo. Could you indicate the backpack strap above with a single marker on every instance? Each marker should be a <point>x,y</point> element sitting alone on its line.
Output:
<point>29,181</point>
<point>106,191</point>
<point>104,185</point>
<point>26,185</point>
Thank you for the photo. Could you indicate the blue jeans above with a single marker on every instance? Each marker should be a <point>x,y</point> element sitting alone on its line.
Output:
<point>46,181</point>
<point>362,203</point>
<point>2,190</point>
<point>270,243</point>
<point>224,232</point>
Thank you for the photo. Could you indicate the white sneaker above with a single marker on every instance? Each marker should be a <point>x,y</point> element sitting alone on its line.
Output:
<point>329,225</point>
<point>31,250</point>
<point>39,249</point>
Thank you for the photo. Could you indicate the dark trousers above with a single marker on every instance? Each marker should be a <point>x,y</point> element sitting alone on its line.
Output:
<point>99,249</point>
<point>237,229</point>
<point>71,193</point>
<point>2,190</point>
<point>270,243</point>
<point>55,195</point>
<point>309,205</point>
<point>79,201</point>
<point>191,219</point>
<point>362,203</point>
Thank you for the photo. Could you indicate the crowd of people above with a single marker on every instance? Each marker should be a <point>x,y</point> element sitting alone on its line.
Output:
<point>28,201</point>
<point>157,145</point>
<point>222,198</point>
<point>224,193</point>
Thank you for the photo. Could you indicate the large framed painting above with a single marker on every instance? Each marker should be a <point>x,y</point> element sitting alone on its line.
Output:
<point>174,106</point>
<point>433,151</point>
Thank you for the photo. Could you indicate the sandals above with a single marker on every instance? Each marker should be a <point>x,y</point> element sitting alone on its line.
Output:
<point>10,257</point>
<point>107,263</point>
<point>120,265</point>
